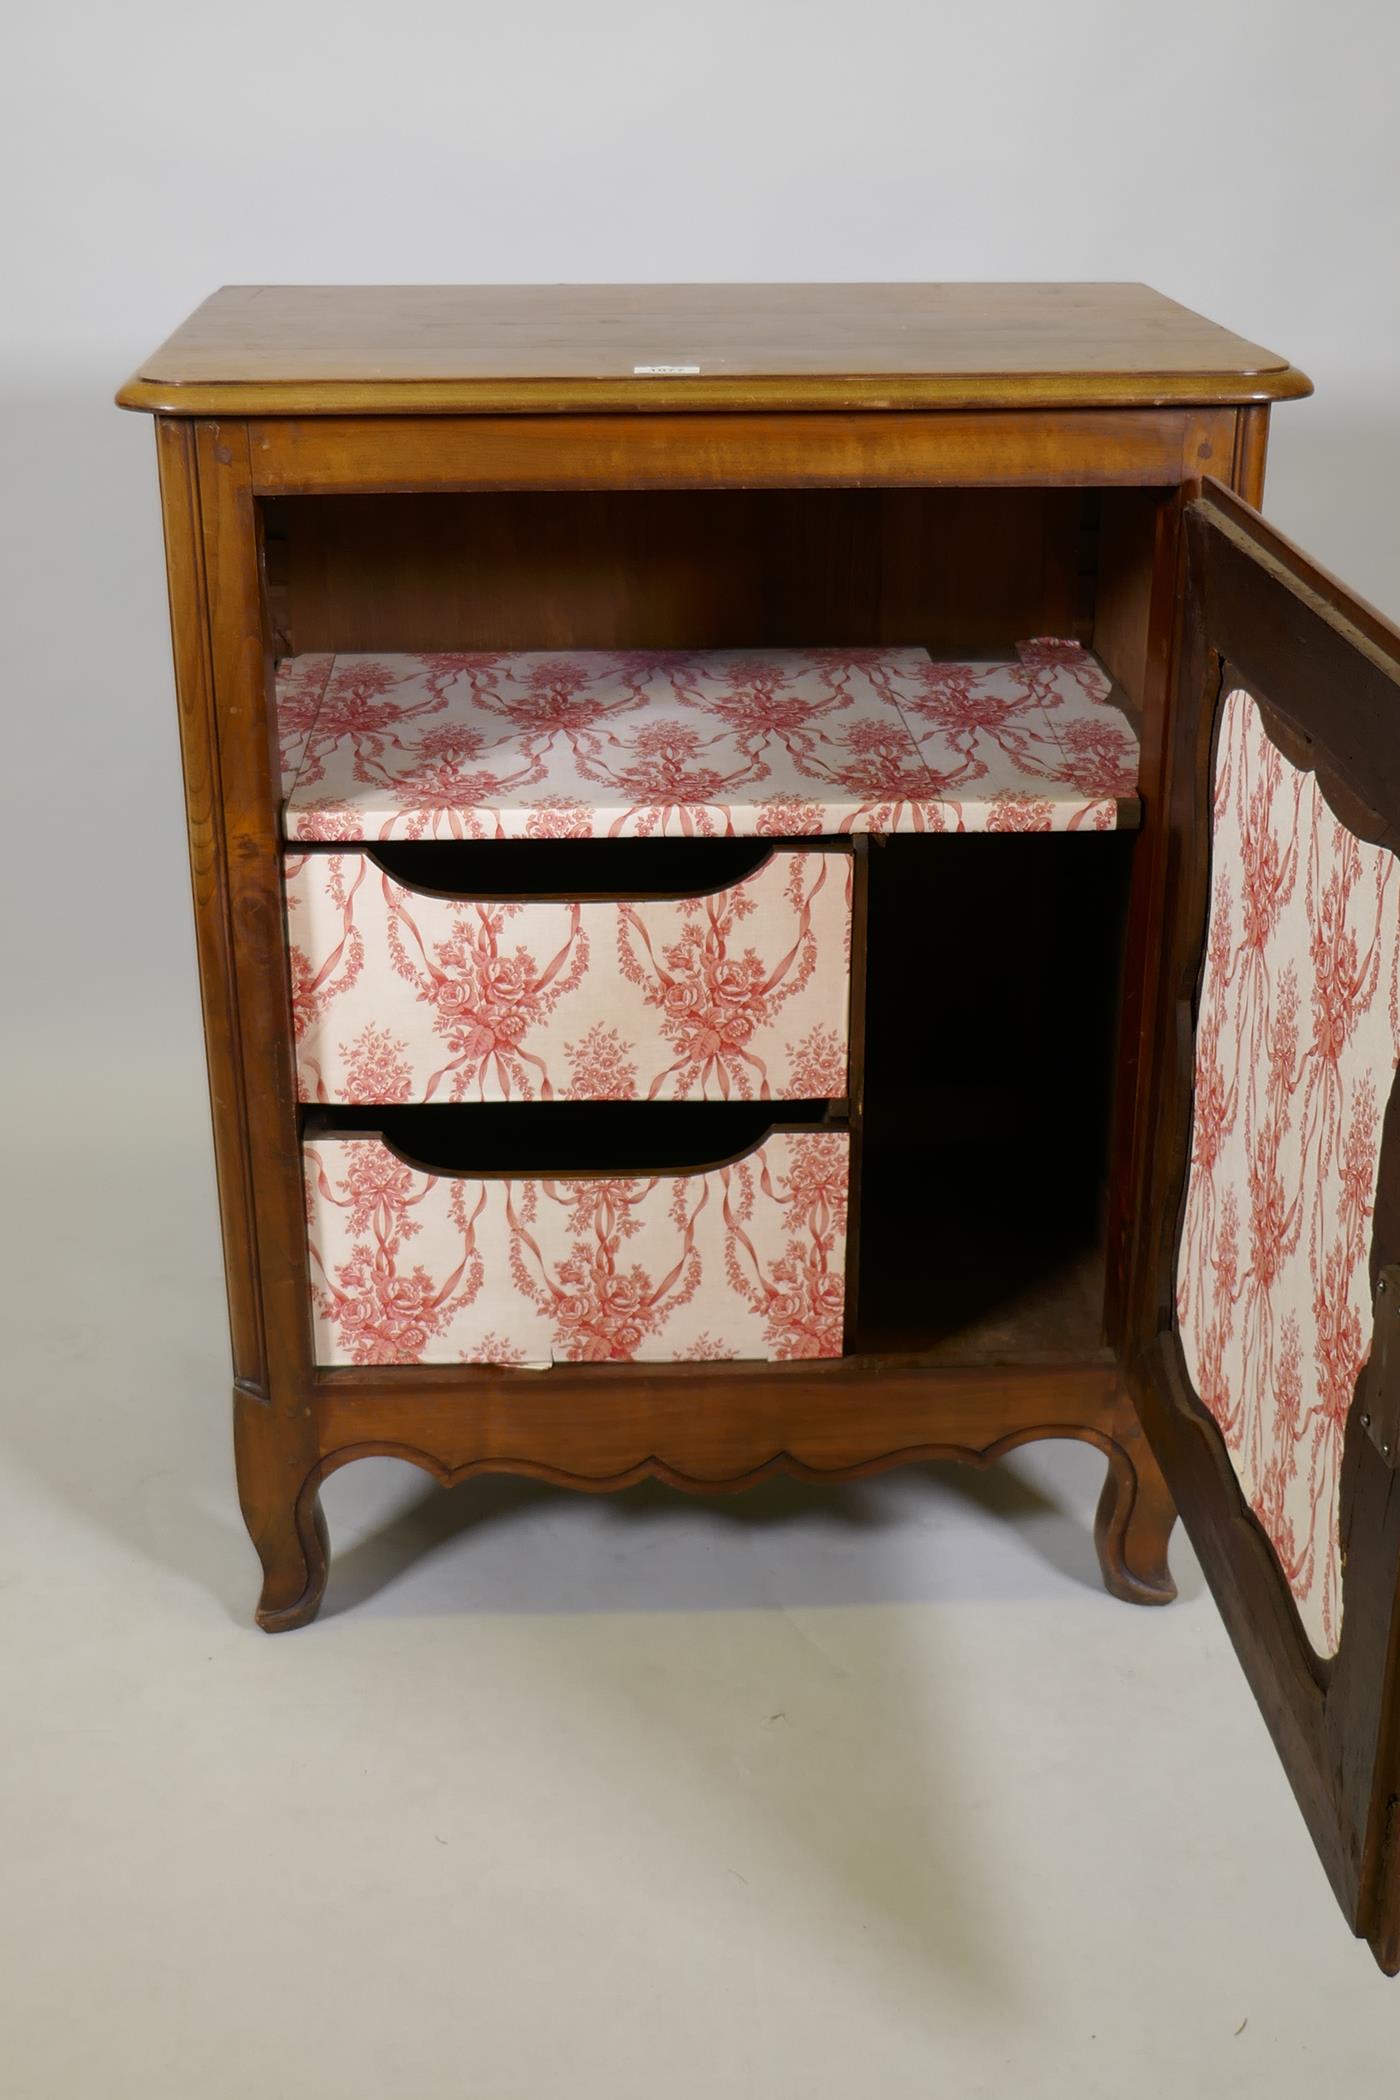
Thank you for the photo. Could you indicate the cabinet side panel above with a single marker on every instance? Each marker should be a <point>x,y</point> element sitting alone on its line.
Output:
<point>1139,550</point>
<point>274,1427</point>
<point>1251,454</point>
<point>250,779</point>
<point>1127,550</point>
<point>194,688</point>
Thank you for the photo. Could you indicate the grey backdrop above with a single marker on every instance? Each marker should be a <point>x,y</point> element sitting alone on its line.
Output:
<point>800,1795</point>
<point>1239,155</point>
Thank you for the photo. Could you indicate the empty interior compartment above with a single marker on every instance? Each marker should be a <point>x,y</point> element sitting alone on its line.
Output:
<point>953,569</point>
<point>957,571</point>
<point>992,990</point>
<point>971,576</point>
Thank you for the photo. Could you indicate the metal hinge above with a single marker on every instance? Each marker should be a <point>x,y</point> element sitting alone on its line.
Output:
<point>1380,1416</point>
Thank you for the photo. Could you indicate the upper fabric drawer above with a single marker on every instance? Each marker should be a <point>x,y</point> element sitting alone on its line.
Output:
<point>405,994</point>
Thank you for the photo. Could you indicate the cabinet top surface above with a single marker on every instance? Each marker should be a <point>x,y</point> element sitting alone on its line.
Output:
<point>433,349</point>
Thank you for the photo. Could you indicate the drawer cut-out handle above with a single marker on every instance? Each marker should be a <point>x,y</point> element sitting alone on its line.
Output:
<point>575,1140</point>
<point>570,870</point>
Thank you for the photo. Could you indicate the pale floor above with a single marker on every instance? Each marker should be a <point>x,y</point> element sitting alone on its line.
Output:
<point>861,1793</point>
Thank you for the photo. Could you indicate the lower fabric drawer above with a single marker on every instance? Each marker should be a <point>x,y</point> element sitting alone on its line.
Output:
<point>741,1260</point>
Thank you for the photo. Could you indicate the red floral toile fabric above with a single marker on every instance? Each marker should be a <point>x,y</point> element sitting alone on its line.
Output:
<point>1297,1042</point>
<point>301,682</point>
<point>401,995</point>
<point>1032,746</point>
<point>715,743</point>
<point>741,1261</point>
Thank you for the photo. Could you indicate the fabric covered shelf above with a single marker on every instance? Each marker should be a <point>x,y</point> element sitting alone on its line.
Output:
<point>713,743</point>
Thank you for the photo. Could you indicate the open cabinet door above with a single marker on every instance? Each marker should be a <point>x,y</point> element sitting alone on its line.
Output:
<point>1265,1331</point>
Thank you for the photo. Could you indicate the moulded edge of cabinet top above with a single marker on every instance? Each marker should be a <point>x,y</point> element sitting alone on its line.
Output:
<point>501,349</point>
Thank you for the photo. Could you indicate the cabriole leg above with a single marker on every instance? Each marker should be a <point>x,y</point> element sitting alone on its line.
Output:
<point>1135,1517</point>
<point>282,1509</point>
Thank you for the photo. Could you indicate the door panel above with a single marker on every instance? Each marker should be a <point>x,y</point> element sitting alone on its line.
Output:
<point>1297,1031</point>
<point>1273,1193</point>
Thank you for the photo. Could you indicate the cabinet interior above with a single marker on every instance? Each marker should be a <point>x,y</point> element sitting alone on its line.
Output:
<point>993,961</point>
<point>961,571</point>
<point>993,970</point>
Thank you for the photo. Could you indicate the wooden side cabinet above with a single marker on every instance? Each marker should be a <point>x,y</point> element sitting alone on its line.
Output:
<point>792,878</point>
